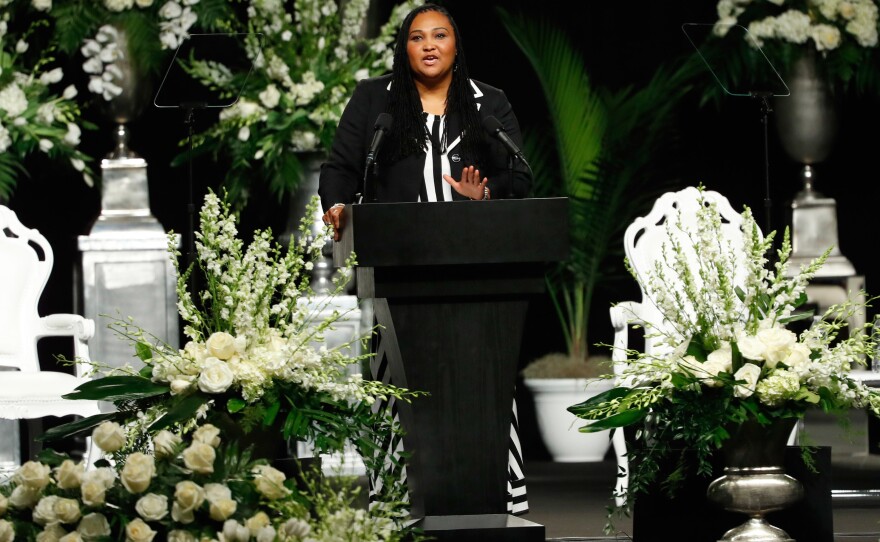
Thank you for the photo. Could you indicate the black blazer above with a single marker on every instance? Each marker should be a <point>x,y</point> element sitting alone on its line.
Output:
<point>342,176</point>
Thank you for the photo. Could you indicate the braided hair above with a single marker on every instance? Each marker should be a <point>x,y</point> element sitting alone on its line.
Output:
<point>409,134</point>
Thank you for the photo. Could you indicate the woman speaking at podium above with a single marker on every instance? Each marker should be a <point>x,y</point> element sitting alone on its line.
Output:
<point>427,132</point>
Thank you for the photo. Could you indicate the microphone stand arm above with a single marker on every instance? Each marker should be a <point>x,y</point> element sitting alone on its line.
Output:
<point>189,117</point>
<point>764,97</point>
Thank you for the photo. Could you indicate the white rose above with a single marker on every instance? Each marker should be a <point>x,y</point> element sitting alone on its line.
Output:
<point>44,511</point>
<point>71,537</point>
<point>106,476</point>
<point>93,492</point>
<point>179,385</point>
<point>138,531</point>
<point>750,347</point>
<point>118,5</point>
<point>170,10</point>
<point>777,344</point>
<point>165,442</point>
<point>244,133</point>
<point>7,531</point>
<point>265,534</point>
<point>24,497</point>
<point>144,3</point>
<point>93,526</point>
<point>719,361</point>
<point>188,496</point>
<point>69,93</point>
<point>67,510</point>
<point>181,536</point>
<point>216,377</point>
<point>294,528</point>
<point>109,436</point>
<point>52,533</point>
<point>217,492</point>
<point>33,474</point>
<point>69,474</point>
<point>199,457</point>
<point>269,482</point>
<point>234,531</point>
<point>798,357</point>
<point>221,345</point>
<point>207,433</point>
<point>152,507</point>
<point>138,472</point>
<point>42,5</point>
<point>257,522</point>
<point>222,509</point>
<point>750,373</point>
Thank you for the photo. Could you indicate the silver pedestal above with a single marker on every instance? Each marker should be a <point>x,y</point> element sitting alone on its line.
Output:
<point>126,268</point>
<point>814,230</point>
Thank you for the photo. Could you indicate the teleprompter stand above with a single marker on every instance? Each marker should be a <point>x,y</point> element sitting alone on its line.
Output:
<point>451,283</point>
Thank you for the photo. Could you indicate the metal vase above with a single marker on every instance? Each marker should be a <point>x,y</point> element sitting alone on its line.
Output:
<point>322,273</point>
<point>754,481</point>
<point>806,121</point>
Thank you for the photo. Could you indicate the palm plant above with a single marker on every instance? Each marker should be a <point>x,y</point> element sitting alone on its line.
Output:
<point>609,146</point>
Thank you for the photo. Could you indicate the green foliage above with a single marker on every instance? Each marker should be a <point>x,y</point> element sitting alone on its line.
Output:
<point>609,150</point>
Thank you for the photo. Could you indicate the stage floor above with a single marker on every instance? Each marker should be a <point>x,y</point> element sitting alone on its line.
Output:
<point>570,499</point>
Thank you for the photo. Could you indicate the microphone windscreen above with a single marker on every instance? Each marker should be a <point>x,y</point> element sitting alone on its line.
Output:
<point>383,122</point>
<point>492,125</point>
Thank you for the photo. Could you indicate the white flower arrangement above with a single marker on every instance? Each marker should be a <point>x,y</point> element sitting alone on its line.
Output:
<point>843,33</point>
<point>306,64</point>
<point>724,353</point>
<point>255,360</point>
<point>36,113</point>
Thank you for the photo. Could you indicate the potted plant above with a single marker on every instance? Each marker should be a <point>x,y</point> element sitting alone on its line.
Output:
<point>608,179</point>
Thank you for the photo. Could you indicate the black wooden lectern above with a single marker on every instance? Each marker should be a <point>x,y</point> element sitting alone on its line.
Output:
<point>451,282</point>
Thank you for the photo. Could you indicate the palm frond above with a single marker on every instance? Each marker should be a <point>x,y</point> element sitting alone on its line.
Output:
<point>608,145</point>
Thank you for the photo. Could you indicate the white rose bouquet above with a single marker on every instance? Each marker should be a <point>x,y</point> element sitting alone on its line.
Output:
<point>307,59</point>
<point>199,487</point>
<point>725,353</point>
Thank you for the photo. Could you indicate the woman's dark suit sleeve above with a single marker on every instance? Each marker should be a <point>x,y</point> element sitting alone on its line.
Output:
<point>342,174</point>
<point>499,183</point>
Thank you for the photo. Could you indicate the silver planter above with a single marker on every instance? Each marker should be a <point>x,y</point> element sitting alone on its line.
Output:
<point>754,481</point>
<point>806,121</point>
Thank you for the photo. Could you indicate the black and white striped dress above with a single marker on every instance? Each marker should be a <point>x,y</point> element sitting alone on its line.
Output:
<point>435,188</point>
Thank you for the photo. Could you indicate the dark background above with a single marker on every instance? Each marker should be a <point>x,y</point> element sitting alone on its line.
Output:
<point>623,43</point>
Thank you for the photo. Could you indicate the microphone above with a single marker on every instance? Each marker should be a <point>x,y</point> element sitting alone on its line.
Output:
<point>383,124</point>
<point>496,130</point>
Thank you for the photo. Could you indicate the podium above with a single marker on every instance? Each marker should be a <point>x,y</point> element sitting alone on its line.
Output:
<point>451,283</point>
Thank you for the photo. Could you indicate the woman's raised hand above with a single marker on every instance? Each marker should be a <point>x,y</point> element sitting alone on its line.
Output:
<point>470,184</point>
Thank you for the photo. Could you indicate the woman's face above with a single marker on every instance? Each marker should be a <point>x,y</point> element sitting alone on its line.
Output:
<point>431,47</point>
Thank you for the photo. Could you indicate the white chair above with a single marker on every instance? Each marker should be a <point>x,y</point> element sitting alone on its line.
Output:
<point>26,391</point>
<point>643,243</point>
